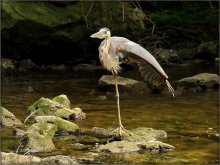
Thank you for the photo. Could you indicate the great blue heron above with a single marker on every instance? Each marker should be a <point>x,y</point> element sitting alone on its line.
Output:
<point>113,50</point>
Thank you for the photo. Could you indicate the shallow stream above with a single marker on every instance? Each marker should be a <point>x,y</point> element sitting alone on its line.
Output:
<point>191,120</point>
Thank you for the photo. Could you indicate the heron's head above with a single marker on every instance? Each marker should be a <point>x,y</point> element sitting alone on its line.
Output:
<point>102,33</point>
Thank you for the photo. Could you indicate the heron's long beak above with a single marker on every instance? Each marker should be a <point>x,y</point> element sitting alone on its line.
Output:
<point>96,35</point>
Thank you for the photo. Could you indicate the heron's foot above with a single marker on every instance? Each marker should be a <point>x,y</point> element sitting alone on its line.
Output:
<point>120,132</point>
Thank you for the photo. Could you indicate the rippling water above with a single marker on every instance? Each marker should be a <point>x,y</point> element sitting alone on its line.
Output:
<point>191,120</point>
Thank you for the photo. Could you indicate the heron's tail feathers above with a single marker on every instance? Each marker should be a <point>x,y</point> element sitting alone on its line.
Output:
<point>170,88</point>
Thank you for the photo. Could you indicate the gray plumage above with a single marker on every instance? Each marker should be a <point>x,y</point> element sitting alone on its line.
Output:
<point>114,49</point>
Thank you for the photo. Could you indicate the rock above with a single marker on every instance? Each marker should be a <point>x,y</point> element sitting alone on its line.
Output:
<point>202,80</point>
<point>40,39</point>
<point>13,158</point>
<point>137,134</point>
<point>146,134</point>
<point>30,89</point>
<point>187,53</point>
<point>63,125</point>
<point>118,147</point>
<point>55,67</point>
<point>167,56</point>
<point>62,99</point>
<point>125,84</point>
<point>78,113</point>
<point>207,50</point>
<point>8,119</point>
<point>101,132</point>
<point>27,65</point>
<point>156,146</point>
<point>7,63</point>
<point>19,132</point>
<point>59,159</point>
<point>126,147</point>
<point>39,137</point>
<point>45,106</point>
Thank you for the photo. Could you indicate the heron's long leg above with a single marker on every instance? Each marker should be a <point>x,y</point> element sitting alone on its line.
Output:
<point>118,103</point>
<point>121,127</point>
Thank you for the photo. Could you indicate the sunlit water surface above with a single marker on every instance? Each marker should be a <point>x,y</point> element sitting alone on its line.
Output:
<point>191,120</point>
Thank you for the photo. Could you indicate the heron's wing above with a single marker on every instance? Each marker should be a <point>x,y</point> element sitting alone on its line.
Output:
<point>149,67</point>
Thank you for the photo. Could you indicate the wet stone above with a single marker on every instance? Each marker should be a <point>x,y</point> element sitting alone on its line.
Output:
<point>118,147</point>
<point>45,106</point>
<point>38,138</point>
<point>62,99</point>
<point>156,146</point>
<point>13,158</point>
<point>8,119</point>
<point>59,159</point>
<point>199,82</point>
<point>127,147</point>
<point>18,132</point>
<point>63,125</point>
<point>137,134</point>
<point>106,82</point>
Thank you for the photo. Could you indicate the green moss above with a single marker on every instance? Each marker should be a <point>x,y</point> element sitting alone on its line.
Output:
<point>62,99</point>
<point>62,124</point>
<point>39,137</point>
<point>42,12</point>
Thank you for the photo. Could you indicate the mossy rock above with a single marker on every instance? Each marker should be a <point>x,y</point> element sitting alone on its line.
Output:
<point>126,147</point>
<point>8,119</point>
<point>63,125</point>
<point>45,106</point>
<point>38,137</point>
<point>62,99</point>
<point>157,146</point>
<point>118,147</point>
<point>13,158</point>
<point>135,135</point>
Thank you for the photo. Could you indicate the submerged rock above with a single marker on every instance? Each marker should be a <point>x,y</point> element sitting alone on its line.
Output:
<point>8,119</point>
<point>38,137</point>
<point>118,147</point>
<point>63,125</point>
<point>59,108</point>
<point>202,81</point>
<point>125,84</point>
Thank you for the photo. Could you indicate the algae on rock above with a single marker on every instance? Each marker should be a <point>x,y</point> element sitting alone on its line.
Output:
<point>38,137</point>
<point>59,107</point>
<point>63,125</point>
<point>8,119</point>
<point>62,99</point>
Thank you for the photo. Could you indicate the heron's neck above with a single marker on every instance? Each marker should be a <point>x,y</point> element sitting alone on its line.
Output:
<point>107,41</point>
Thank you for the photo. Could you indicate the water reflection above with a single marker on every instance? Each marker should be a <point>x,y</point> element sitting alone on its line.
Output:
<point>191,120</point>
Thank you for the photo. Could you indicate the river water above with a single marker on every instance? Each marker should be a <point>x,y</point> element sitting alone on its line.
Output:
<point>191,119</point>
